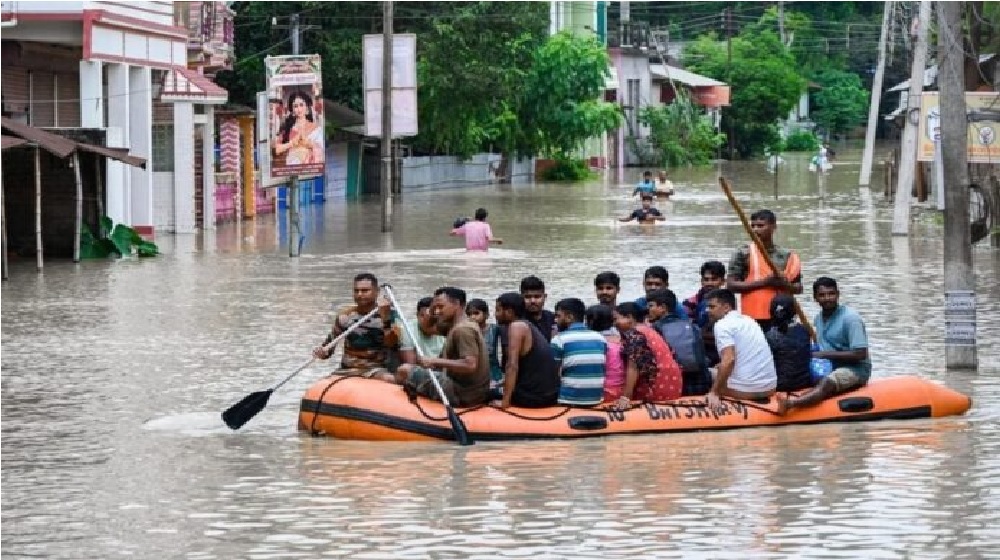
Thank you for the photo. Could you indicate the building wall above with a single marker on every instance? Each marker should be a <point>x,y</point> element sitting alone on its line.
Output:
<point>439,172</point>
<point>163,200</point>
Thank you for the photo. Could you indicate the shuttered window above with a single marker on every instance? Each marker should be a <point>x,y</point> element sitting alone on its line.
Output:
<point>43,94</point>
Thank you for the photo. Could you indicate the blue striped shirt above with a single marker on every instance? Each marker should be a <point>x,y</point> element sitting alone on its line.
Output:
<point>581,352</point>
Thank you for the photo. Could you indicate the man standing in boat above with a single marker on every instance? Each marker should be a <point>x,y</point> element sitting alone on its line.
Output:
<point>843,340</point>
<point>368,349</point>
<point>463,368</point>
<point>750,276</point>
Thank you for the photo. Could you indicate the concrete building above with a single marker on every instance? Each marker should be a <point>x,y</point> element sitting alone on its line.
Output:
<point>122,68</point>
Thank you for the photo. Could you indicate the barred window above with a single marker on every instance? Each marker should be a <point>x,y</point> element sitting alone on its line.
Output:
<point>163,147</point>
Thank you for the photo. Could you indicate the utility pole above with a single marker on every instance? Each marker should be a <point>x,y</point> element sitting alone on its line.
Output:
<point>385,186</point>
<point>959,277</point>
<point>294,228</point>
<point>866,159</point>
<point>729,71</point>
<point>781,21</point>
<point>908,155</point>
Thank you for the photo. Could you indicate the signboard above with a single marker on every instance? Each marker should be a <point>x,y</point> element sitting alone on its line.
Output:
<point>983,111</point>
<point>404,84</point>
<point>295,121</point>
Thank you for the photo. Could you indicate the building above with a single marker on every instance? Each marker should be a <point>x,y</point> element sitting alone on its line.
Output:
<point>138,72</point>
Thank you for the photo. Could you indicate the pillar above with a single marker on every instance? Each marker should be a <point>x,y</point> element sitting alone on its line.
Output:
<point>184,167</point>
<point>208,174</point>
<point>119,176</point>
<point>141,144</point>
<point>91,94</point>
<point>249,185</point>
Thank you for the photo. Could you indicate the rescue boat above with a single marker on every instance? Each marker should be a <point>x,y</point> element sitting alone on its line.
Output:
<point>365,409</point>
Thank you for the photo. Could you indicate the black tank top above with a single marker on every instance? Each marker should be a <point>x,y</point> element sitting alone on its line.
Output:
<point>537,380</point>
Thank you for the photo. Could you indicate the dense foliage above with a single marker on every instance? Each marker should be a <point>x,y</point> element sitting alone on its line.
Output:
<point>680,133</point>
<point>801,141</point>
<point>842,103</point>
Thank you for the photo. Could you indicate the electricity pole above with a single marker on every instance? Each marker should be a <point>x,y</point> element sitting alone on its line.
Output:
<point>385,186</point>
<point>294,227</point>
<point>866,159</point>
<point>729,72</point>
<point>959,277</point>
<point>908,155</point>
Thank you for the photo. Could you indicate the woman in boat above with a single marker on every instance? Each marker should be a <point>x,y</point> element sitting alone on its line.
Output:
<point>651,373</point>
<point>601,318</point>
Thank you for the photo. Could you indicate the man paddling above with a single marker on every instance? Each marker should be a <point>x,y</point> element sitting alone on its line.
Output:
<point>368,349</point>
<point>750,276</point>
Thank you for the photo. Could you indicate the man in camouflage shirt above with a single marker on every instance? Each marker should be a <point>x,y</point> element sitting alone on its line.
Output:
<point>368,350</point>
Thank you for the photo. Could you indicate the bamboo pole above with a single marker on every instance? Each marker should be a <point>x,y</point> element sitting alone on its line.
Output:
<point>100,196</point>
<point>38,208</point>
<point>79,206</point>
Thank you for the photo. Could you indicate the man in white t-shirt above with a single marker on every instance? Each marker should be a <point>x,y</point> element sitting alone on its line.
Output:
<point>746,369</point>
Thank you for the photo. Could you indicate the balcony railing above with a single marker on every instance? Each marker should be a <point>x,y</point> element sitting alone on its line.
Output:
<point>631,34</point>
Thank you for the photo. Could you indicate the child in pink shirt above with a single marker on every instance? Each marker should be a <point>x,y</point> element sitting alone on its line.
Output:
<point>478,234</point>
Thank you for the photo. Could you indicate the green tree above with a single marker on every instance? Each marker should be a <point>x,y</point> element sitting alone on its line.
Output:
<point>562,105</point>
<point>764,80</point>
<point>842,104</point>
<point>680,132</point>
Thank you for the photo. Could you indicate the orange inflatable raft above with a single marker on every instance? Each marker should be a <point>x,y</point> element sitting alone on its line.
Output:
<point>366,409</point>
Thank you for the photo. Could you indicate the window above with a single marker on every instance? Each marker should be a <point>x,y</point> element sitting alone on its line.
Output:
<point>163,147</point>
<point>632,100</point>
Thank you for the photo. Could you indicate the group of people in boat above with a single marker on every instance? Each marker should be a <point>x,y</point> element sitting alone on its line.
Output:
<point>654,349</point>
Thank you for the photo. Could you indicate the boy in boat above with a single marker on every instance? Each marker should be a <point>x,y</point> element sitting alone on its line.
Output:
<point>746,369</point>
<point>656,278</point>
<point>645,215</point>
<point>646,186</point>
<point>462,369</point>
<point>843,340</point>
<point>478,234</point>
<point>606,287</point>
<point>713,277</point>
<point>533,292</point>
<point>367,350</point>
<point>580,355</point>
<point>750,276</point>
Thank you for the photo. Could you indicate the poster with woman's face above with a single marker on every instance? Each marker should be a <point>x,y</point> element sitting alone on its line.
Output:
<point>294,87</point>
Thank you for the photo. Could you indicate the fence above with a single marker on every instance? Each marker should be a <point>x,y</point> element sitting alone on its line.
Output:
<point>441,172</point>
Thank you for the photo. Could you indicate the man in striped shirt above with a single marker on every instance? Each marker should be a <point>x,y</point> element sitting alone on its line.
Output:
<point>580,353</point>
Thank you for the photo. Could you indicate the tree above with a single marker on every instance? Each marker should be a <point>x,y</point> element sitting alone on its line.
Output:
<point>562,105</point>
<point>680,132</point>
<point>842,103</point>
<point>764,80</point>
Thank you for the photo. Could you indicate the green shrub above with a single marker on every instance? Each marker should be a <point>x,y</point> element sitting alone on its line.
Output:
<point>118,240</point>
<point>801,141</point>
<point>568,170</point>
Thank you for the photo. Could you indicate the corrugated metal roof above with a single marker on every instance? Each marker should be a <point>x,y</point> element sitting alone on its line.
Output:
<point>60,146</point>
<point>12,142</point>
<point>667,72</point>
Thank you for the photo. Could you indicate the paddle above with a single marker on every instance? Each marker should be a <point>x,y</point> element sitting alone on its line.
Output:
<point>248,407</point>
<point>461,434</point>
<point>763,251</point>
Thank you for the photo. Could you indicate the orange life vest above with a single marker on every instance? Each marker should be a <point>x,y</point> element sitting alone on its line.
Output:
<point>757,303</point>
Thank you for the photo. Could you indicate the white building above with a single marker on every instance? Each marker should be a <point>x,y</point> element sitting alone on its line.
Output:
<point>108,66</point>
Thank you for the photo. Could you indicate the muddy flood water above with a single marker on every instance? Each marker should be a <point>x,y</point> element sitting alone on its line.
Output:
<point>114,375</point>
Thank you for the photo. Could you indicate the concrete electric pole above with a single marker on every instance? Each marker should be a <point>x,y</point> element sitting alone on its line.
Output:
<point>385,182</point>
<point>869,154</point>
<point>959,276</point>
<point>908,155</point>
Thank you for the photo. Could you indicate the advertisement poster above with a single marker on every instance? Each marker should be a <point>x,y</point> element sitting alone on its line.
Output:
<point>295,115</point>
<point>983,110</point>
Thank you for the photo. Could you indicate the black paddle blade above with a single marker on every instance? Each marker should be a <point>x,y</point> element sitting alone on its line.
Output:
<point>461,435</point>
<point>241,412</point>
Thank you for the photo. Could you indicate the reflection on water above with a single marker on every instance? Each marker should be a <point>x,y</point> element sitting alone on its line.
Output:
<point>114,374</point>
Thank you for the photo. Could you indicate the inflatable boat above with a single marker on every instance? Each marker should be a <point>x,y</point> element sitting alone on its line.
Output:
<point>366,409</point>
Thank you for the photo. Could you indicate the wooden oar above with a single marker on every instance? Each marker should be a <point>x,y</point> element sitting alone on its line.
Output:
<point>763,251</point>
<point>461,434</point>
<point>248,407</point>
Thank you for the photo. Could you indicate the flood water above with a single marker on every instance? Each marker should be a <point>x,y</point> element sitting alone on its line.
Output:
<point>114,375</point>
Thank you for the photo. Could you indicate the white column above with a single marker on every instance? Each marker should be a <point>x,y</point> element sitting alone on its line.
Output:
<point>184,167</point>
<point>141,143</point>
<point>118,117</point>
<point>115,185</point>
<point>91,94</point>
<point>208,168</point>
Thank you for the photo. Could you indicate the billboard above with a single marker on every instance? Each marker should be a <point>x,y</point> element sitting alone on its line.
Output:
<point>295,115</point>
<point>404,84</point>
<point>983,111</point>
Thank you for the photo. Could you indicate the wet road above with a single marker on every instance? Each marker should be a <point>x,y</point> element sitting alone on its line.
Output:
<point>114,375</point>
